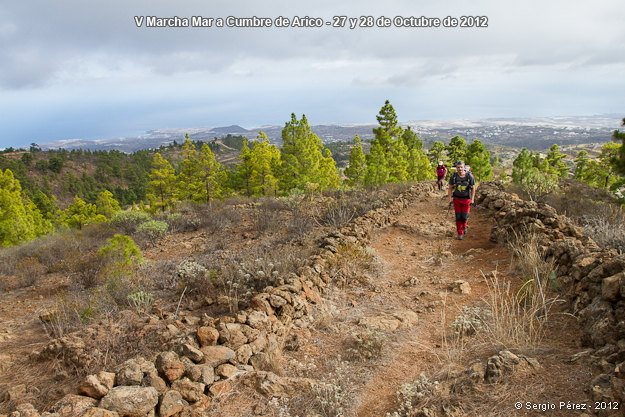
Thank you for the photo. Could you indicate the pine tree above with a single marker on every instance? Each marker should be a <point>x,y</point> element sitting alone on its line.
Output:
<point>479,160</point>
<point>581,166</point>
<point>328,174</point>
<point>389,131</point>
<point>554,159</point>
<point>302,158</point>
<point>244,170</point>
<point>162,185</point>
<point>187,184</point>
<point>419,167</point>
<point>521,165</point>
<point>211,176</point>
<point>355,172</point>
<point>457,149</point>
<point>79,214</point>
<point>436,153</point>
<point>411,140</point>
<point>619,160</point>
<point>608,175</point>
<point>264,157</point>
<point>392,163</point>
<point>397,160</point>
<point>376,173</point>
<point>16,221</point>
<point>106,205</point>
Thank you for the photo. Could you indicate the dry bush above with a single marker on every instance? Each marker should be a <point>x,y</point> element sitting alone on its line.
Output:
<point>366,345</point>
<point>526,256</point>
<point>395,189</point>
<point>352,263</point>
<point>607,234</point>
<point>244,273</point>
<point>335,213</point>
<point>117,289</point>
<point>71,312</point>
<point>152,231</point>
<point>518,316</point>
<point>273,204</point>
<point>87,268</point>
<point>413,396</point>
<point>300,223</point>
<point>182,222</point>
<point>28,271</point>
<point>266,218</point>
<point>50,251</point>
<point>220,218</point>
<point>97,233</point>
<point>160,274</point>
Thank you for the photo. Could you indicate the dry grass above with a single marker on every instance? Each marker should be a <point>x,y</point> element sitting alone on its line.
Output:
<point>352,263</point>
<point>518,316</point>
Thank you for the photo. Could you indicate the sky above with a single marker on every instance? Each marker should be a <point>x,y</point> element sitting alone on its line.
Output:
<point>84,69</point>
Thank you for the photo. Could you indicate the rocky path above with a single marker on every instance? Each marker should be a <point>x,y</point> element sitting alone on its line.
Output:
<point>428,271</point>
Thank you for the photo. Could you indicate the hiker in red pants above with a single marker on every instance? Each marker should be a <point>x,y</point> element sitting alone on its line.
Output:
<point>462,191</point>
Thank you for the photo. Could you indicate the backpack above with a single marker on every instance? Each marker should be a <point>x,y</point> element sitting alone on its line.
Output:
<point>462,186</point>
<point>441,170</point>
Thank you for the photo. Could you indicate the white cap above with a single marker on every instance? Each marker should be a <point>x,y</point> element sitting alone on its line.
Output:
<point>440,162</point>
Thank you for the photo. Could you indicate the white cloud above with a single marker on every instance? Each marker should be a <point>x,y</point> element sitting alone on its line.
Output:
<point>94,50</point>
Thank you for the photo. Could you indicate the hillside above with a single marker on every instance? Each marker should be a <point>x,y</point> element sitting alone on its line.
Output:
<point>62,173</point>
<point>532,133</point>
<point>347,309</point>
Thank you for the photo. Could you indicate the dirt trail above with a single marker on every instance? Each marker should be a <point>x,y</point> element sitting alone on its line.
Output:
<point>422,247</point>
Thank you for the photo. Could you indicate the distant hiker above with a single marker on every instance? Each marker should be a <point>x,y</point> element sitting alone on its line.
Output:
<point>441,172</point>
<point>462,191</point>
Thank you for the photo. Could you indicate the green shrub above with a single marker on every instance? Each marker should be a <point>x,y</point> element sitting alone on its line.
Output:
<point>128,221</point>
<point>153,230</point>
<point>140,300</point>
<point>122,252</point>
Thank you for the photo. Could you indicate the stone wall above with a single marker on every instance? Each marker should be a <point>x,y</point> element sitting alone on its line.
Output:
<point>592,280</point>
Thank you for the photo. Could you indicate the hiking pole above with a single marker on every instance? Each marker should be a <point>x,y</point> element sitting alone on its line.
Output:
<point>448,207</point>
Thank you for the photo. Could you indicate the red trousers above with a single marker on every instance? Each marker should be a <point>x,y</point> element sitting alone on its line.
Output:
<point>462,207</point>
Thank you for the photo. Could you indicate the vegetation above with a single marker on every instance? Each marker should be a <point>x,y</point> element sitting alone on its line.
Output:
<point>76,188</point>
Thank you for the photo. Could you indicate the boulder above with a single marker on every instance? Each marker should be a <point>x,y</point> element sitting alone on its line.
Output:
<point>192,353</point>
<point>216,355</point>
<point>170,404</point>
<point>73,405</point>
<point>190,391</point>
<point>100,412</point>
<point>207,336</point>
<point>226,370</point>
<point>131,401</point>
<point>92,387</point>
<point>169,366</point>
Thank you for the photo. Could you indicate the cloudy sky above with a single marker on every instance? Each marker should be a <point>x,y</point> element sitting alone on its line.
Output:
<point>83,69</point>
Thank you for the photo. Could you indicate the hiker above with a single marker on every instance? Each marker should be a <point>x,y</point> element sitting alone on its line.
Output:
<point>462,194</point>
<point>441,172</point>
